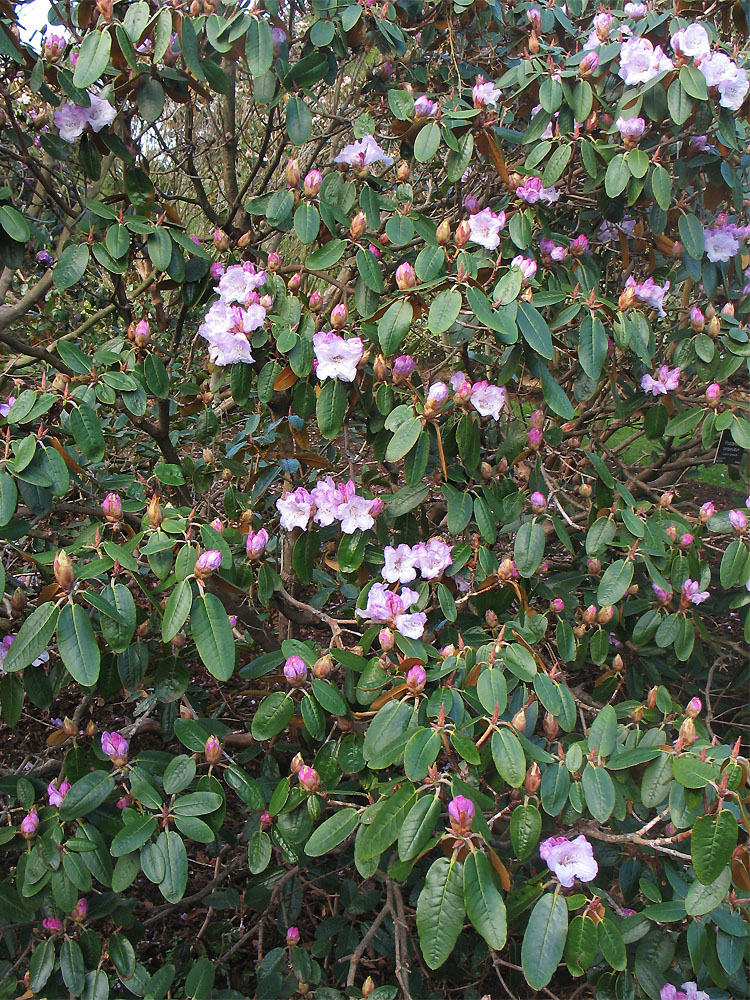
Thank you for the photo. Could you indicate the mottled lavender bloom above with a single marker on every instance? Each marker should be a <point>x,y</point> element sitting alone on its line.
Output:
<point>256,542</point>
<point>649,293</point>
<point>52,924</point>
<point>693,993</point>
<point>56,795</point>
<point>115,747</point>
<point>292,936</point>
<point>29,824</point>
<point>278,38</point>
<point>461,812</point>
<point>569,860</point>
<point>692,593</point>
<point>403,366</point>
<point>295,670</point>
<point>416,679</point>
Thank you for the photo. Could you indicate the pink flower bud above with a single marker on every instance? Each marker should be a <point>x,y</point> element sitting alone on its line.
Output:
<point>534,16</point>
<point>536,436</point>
<point>694,708</point>
<point>405,276</point>
<point>688,735</point>
<point>519,721</point>
<point>537,419</point>
<point>463,232</point>
<point>436,397</point>
<point>292,936</point>
<point>315,302</point>
<point>579,246</point>
<point>706,512</point>
<point>663,596</point>
<point>212,750</point>
<point>54,47</point>
<point>375,251</point>
<point>256,542</point>
<point>309,778</point>
<point>605,615</point>
<point>52,924</point>
<point>207,563</point>
<point>686,540</point>
<point>265,818</point>
<point>313,180</point>
<point>666,499</point>
<point>588,64</point>
<point>358,225</point>
<point>602,25</point>
<point>593,565</point>
<point>443,233</point>
<point>123,802</point>
<point>294,282</point>
<point>713,393</point>
<point>274,261</point>
<point>416,679</point>
<point>56,795</point>
<point>217,270</point>
<point>115,747</point>
<point>697,319</point>
<point>403,366</point>
<point>220,240</point>
<point>377,507</point>
<point>386,639</point>
<point>538,502</point>
<point>671,532</point>
<point>589,615</point>
<point>80,910</point>
<point>738,520</point>
<point>64,570</point>
<point>292,174</point>
<point>295,670</point>
<point>296,763</point>
<point>218,525</point>
<point>461,812</point>
<point>29,825</point>
<point>339,316</point>
<point>557,605</point>
<point>491,618</point>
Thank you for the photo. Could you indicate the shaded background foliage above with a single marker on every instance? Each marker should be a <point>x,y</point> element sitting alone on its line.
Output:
<point>271,816</point>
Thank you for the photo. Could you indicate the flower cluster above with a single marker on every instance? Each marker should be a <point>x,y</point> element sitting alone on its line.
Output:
<point>484,228</point>
<point>688,991</point>
<point>722,240</point>
<point>667,381</point>
<point>72,119</point>
<point>336,356</point>
<point>402,563</point>
<point>486,398</point>
<point>363,153</point>
<point>569,860</point>
<point>388,608</point>
<point>649,293</point>
<point>327,502</point>
<point>237,312</point>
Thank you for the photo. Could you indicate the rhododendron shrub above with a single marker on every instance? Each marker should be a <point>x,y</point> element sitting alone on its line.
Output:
<point>373,501</point>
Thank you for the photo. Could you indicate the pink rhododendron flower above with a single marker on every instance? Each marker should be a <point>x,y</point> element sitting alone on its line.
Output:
<point>432,558</point>
<point>337,357</point>
<point>485,94</point>
<point>226,328</point>
<point>403,366</point>
<point>484,228</point>
<point>363,153</point>
<point>100,113</point>
<point>436,396</point>
<point>649,293</point>
<point>635,10</point>
<point>667,381</point>
<point>425,108</point>
<point>569,860</point>
<point>56,795</point>
<point>552,252</point>
<point>400,564</point>
<point>383,605</point>
<point>527,265</point>
<point>255,543</point>
<point>692,593</point>
<point>461,812</point>
<point>727,77</point>
<point>353,511</point>
<point>692,42</point>
<point>237,282</point>
<point>52,924</point>
<point>115,747</point>
<point>487,399</point>
<point>641,62</point>
<point>295,509</point>
<point>295,670</point>
<point>738,520</point>
<point>71,120</point>
<point>630,128</point>
<point>416,679</point>
<point>722,242</point>
<point>532,191</point>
